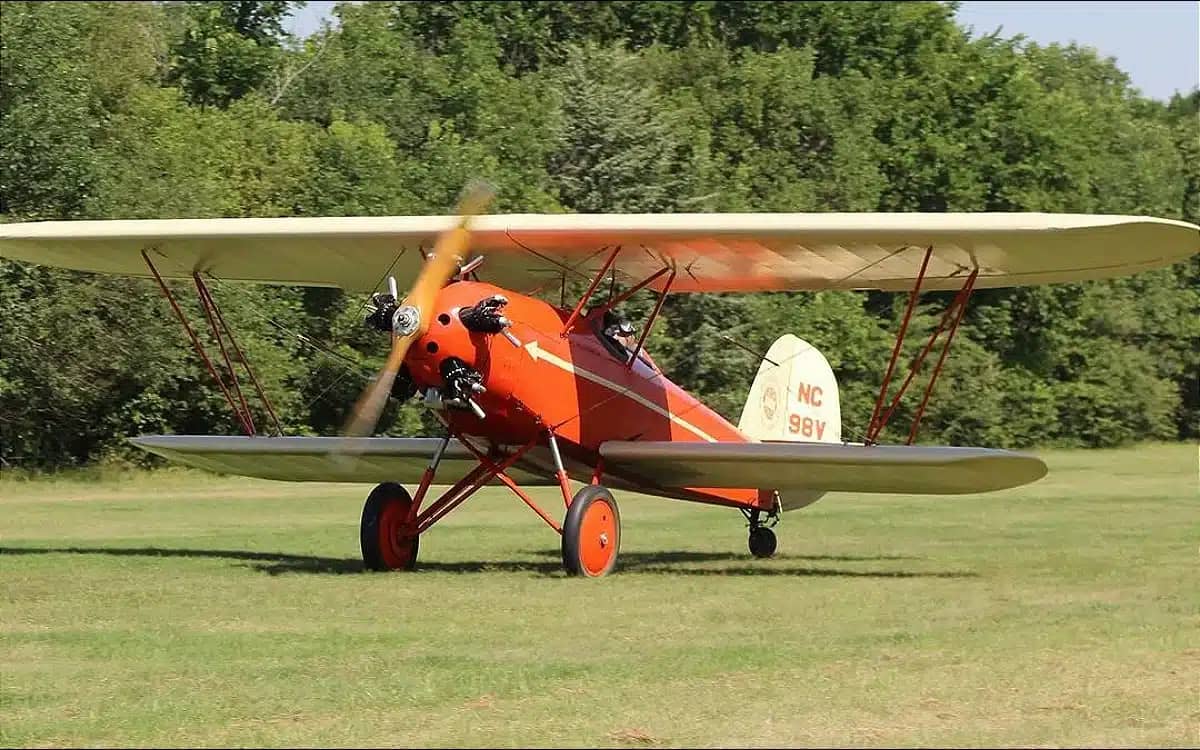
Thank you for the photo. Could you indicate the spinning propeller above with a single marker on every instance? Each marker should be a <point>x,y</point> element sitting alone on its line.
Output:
<point>412,318</point>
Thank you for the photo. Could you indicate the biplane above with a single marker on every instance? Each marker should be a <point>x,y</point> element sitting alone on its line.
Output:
<point>535,393</point>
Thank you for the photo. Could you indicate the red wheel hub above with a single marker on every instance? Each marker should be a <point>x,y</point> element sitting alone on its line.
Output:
<point>598,537</point>
<point>396,537</point>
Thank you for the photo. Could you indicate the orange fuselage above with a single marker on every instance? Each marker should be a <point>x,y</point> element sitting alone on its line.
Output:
<point>571,384</point>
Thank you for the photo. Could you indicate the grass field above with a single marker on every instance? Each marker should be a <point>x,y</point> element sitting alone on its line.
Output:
<point>184,609</point>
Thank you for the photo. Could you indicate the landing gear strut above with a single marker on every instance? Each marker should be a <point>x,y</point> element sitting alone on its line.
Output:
<point>393,520</point>
<point>762,538</point>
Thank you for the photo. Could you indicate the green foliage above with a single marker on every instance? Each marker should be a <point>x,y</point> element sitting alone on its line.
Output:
<point>226,49</point>
<point>65,69</point>
<point>618,149</point>
<point>210,109</point>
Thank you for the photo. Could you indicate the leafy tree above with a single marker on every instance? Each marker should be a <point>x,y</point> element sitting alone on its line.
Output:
<point>227,49</point>
<point>620,149</point>
<point>65,69</point>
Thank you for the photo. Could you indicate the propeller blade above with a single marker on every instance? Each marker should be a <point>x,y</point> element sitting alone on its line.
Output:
<point>365,413</point>
<point>436,273</point>
<point>448,252</point>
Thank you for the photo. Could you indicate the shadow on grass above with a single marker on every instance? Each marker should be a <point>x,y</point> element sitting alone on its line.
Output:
<point>660,563</point>
<point>684,556</point>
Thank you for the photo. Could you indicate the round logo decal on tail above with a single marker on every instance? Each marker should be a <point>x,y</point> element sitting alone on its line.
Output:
<point>770,402</point>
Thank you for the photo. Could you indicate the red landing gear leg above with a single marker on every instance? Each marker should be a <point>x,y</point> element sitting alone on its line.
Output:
<point>392,525</point>
<point>388,533</point>
<point>392,521</point>
<point>591,532</point>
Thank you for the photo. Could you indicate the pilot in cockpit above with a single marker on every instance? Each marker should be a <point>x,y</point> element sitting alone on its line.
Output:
<point>620,338</point>
<point>619,330</point>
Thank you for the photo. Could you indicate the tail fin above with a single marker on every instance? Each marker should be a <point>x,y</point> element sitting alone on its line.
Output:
<point>794,397</point>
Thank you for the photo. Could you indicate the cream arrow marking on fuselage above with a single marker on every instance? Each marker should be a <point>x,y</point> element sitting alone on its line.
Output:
<point>538,353</point>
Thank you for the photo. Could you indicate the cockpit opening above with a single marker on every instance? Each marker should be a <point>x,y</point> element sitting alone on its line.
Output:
<point>620,338</point>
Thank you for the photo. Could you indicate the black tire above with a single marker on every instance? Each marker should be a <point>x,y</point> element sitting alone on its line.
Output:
<point>762,542</point>
<point>587,545</point>
<point>383,517</point>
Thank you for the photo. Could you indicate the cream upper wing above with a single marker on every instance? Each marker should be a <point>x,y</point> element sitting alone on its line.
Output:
<point>709,252</point>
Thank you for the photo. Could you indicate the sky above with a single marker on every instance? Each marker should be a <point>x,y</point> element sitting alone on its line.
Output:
<point>1156,43</point>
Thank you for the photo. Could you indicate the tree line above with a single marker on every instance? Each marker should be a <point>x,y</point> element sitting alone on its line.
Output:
<point>211,109</point>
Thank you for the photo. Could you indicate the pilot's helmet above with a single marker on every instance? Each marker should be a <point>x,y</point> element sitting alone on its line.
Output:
<point>615,325</point>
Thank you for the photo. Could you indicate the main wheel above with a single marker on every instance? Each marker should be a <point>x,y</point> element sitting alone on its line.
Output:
<point>591,534</point>
<point>387,542</point>
<point>762,541</point>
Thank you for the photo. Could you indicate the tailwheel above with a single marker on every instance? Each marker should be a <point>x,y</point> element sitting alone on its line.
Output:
<point>762,541</point>
<point>388,541</point>
<point>591,534</point>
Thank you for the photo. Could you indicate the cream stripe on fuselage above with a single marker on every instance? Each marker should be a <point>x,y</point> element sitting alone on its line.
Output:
<point>537,353</point>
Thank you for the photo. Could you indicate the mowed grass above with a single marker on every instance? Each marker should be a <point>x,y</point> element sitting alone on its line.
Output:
<point>180,608</point>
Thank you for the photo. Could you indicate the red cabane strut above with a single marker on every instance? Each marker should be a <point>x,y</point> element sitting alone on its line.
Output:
<point>949,322</point>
